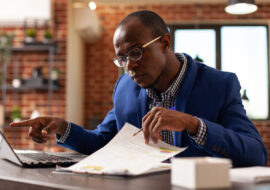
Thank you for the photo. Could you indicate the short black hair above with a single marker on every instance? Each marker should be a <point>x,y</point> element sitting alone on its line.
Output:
<point>150,19</point>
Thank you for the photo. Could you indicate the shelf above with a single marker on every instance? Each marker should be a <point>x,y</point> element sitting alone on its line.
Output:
<point>35,47</point>
<point>31,86</point>
<point>22,88</point>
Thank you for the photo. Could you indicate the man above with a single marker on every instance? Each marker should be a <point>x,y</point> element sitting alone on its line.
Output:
<point>172,97</point>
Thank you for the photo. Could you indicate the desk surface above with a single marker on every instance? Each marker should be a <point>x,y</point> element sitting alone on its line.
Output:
<point>15,177</point>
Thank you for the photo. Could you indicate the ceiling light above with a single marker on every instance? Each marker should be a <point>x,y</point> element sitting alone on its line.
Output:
<point>239,7</point>
<point>92,5</point>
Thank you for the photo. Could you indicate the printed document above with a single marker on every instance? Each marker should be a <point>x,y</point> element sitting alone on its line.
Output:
<point>256,174</point>
<point>126,154</point>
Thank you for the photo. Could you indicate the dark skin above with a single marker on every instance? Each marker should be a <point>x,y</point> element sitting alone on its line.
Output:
<point>157,69</point>
<point>41,128</point>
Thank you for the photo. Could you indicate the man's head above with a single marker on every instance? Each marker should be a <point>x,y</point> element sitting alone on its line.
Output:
<point>144,36</point>
<point>150,19</point>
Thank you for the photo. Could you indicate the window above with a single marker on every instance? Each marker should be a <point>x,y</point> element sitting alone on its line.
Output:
<point>203,45</point>
<point>240,49</point>
<point>14,12</point>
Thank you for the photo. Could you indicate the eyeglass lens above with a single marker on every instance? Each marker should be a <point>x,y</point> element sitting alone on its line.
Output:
<point>135,54</point>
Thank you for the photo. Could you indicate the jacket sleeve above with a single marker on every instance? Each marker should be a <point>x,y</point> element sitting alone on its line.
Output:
<point>89,141</point>
<point>234,136</point>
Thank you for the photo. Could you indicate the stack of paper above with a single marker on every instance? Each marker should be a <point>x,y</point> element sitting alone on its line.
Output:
<point>250,174</point>
<point>126,154</point>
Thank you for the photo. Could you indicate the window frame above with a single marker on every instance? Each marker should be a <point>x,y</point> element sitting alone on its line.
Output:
<point>217,28</point>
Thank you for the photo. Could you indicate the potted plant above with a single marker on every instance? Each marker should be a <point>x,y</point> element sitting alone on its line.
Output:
<point>55,74</point>
<point>16,114</point>
<point>47,36</point>
<point>30,35</point>
<point>5,51</point>
<point>5,46</point>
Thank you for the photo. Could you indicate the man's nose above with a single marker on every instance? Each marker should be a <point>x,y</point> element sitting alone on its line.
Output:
<point>131,65</point>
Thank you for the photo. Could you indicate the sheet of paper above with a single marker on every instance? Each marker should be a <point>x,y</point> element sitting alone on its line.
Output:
<point>250,174</point>
<point>126,154</point>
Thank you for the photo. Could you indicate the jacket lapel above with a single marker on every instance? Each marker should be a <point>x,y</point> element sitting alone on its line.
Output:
<point>141,106</point>
<point>180,102</point>
<point>183,95</point>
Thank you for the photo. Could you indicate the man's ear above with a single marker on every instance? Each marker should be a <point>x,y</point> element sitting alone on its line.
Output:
<point>166,42</point>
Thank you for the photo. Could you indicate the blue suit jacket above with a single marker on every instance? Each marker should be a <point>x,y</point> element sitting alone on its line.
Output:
<point>206,93</point>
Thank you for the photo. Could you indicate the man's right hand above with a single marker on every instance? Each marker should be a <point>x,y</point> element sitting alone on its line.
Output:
<point>41,128</point>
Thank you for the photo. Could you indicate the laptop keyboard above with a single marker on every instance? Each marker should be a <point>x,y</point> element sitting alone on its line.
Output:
<point>44,157</point>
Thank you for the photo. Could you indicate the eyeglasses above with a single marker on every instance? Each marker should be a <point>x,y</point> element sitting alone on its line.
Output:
<point>134,54</point>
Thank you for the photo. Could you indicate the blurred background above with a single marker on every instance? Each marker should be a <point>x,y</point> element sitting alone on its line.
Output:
<point>56,55</point>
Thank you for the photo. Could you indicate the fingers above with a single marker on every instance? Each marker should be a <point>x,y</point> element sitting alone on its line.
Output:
<point>35,128</point>
<point>158,119</point>
<point>39,121</point>
<point>49,129</point>
<point>145,125</point>
<point>152,128</point>
<point>25,123</point>
<point>41,128</point>
<point>151,125</point>
<point>157,130</point>
<point>37,135</point>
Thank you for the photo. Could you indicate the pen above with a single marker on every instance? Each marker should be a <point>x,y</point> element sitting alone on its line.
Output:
<point>172,108</point>
<point>137,132</point>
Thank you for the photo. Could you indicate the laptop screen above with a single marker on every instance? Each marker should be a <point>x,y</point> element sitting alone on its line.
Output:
<point>6,152</point>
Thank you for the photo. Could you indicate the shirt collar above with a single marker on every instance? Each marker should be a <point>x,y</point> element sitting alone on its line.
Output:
<point>174,87</point>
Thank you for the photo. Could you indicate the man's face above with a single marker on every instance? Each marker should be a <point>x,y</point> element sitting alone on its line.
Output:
<point>145,72</point>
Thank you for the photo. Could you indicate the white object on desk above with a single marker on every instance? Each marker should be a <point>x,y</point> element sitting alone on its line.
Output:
<point>250,174</point>
<point>201,172</point>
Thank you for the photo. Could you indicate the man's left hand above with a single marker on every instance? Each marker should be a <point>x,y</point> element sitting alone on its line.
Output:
<point>159,118</point>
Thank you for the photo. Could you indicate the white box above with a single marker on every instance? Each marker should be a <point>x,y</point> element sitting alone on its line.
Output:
<point>201,172</point>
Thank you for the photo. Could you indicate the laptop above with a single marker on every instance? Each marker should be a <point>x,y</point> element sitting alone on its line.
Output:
<point>27,158</point>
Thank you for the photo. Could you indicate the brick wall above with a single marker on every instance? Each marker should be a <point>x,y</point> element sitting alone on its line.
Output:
<point>28,100</point>
<point>100,72</point>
